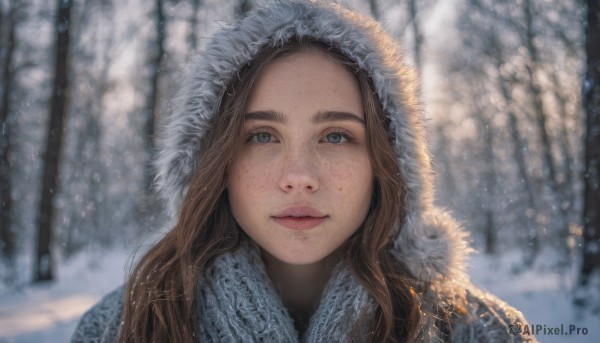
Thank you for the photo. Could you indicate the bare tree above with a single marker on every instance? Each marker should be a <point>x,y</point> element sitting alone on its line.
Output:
<point>408,24</point>
<point>591,93</point>
<point>85,219</point>
<point>241,7</point>
<point>8,22</point>
<point>374,9</point>
<point>152,107</point>
<point>193,36</point>
<point>43,260</point>
<point>519,154</point>
<point>512,60</point>
<point>541,115</point>
<point>417,33</point>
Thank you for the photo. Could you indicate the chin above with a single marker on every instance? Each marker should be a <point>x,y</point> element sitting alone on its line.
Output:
<point>299,258</point>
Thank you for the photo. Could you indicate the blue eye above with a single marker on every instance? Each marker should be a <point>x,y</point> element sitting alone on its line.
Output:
<point>335,138</point>
<point>263,137</point>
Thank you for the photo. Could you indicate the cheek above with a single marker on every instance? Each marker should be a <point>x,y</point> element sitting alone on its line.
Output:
<point>249,178</point>
<point>241,191</point>
<point>351,176</point>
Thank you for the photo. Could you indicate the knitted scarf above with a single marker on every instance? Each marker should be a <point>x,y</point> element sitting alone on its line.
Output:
<point>238,303</point>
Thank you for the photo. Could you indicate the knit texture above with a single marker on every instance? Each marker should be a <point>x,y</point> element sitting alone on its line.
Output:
<point>238,303</point>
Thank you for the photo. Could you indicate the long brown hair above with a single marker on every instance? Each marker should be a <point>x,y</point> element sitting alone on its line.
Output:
<point>159,304</point>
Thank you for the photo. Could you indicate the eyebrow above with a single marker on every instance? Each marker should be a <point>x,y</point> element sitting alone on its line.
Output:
<point>265,115</point>
<point>321,117</point>
<point>336,116</point>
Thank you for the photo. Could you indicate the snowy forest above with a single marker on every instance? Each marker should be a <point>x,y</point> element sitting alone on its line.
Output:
<point>510,103</point>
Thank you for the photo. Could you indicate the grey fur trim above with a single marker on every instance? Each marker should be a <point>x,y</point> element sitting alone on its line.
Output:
<point>434,247</point>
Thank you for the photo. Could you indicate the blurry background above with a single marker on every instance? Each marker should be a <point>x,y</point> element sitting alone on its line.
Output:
<point>85,84</point>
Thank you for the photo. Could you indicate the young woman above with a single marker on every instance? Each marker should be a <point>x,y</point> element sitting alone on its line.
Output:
<point>296,167</point>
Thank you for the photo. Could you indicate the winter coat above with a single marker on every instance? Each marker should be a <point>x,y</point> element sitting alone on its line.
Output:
<point>238,302</point>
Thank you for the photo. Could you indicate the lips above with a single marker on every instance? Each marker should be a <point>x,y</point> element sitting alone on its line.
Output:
<point>300,218</point>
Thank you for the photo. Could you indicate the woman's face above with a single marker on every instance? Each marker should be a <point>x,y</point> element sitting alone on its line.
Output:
<point>302,182</point>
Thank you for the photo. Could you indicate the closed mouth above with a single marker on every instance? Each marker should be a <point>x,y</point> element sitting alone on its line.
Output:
<point>300,211</point>
<point>300,218</point>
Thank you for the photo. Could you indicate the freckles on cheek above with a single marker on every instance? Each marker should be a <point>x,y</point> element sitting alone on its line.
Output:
<point>252,177</point>
<point>341,180</point>
<point>246,178</point>
<point>346,175</point>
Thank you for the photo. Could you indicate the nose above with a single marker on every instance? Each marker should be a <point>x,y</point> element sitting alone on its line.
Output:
<point>299,172</point>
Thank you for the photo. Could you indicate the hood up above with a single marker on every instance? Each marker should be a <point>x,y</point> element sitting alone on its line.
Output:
<point>430,243</point>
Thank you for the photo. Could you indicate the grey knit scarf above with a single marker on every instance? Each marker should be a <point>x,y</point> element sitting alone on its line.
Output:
<point>238,303</point>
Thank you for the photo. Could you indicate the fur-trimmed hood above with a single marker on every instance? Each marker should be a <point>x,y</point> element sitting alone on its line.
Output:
<point>430,243</point>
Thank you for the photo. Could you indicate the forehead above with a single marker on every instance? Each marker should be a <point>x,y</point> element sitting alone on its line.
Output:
<point>308,80</point>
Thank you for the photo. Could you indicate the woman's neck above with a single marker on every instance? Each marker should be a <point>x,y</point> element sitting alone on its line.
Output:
<point>300,286</point>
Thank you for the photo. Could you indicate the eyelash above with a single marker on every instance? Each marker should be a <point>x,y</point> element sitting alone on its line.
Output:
<point>251,137</point>
<point>344,133</point>
<point>255,132</point>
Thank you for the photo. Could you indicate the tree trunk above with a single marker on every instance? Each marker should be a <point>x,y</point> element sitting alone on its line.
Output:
<point>540,118</point>
<point>490,233</point>
<point>241,7</point>
<point>193,36</point>
<point>443,157</point>
<point>7,234</point>
<point>43,261</point>
<point>591,98</point>
<point>156,64</point>
<point>519,143</point>
<point>418,39</point>
<point>566,181</point>
<point>374,9</point>
<point>491,182</point>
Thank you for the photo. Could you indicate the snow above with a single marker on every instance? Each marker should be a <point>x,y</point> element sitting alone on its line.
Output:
<point>49,313</point>
<point>544,296</point>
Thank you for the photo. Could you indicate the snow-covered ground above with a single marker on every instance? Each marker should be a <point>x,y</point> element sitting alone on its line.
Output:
<point>544,297</point>
<point>49,313</point>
